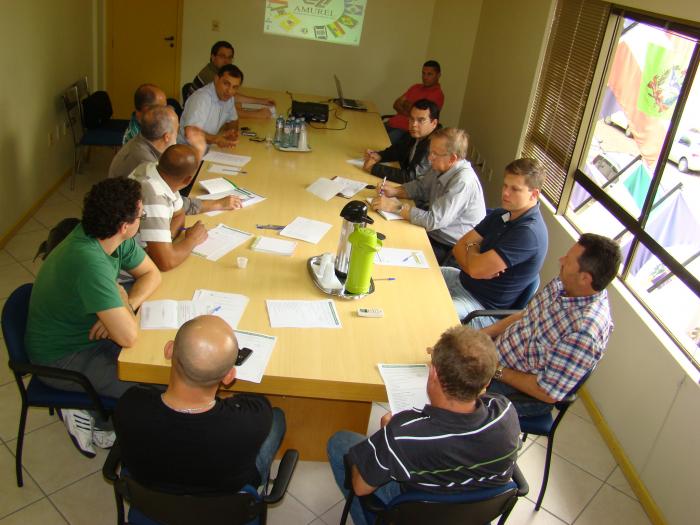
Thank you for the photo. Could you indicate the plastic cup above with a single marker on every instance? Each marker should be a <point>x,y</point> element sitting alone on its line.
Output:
<point>242,262</point>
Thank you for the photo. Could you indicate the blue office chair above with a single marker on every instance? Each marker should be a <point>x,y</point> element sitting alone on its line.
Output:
<point>520,303</point>
<point>546,425</point>
<point>475,507</point>
<point>36,393</point>
<point>148,506</point>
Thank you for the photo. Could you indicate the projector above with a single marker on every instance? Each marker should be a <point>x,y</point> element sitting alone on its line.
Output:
<point>311,111</point>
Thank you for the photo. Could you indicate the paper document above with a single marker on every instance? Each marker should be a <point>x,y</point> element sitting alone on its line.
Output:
<point>405,386</point>
<point>252,106</point>
<point>352,187</point>
<point>228,306</point>
<point>218,185</point>
<point>302,314</point>
<point>305,229</point>
<point>220,241</point>
<point>272,245</point>
<point>388,215</point>
<point>326,189</point>
<point>356,162</point>
<point>248,198</point>
<point>400,257</point>
<point>161,315</point>
<point>227,158</point>
<point>225,170</point>
<point>262,346</point>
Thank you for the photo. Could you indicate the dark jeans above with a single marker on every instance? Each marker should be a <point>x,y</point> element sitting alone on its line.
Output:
<point>525,405</point>
<point>395,134</point>
<point>271,444</point>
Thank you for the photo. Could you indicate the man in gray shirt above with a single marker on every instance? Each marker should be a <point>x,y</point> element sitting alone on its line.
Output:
<point>451,189</point>
<point>158,131</point>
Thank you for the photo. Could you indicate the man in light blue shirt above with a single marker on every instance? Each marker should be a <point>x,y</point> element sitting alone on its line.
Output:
<point>210,115</point>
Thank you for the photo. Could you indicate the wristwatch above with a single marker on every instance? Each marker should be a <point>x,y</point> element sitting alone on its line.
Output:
<point>499,372</point>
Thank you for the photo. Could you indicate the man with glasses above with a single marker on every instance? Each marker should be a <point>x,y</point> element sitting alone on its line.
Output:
<point>451,189</point>
<point>411,152</point>
<point>79,317</point>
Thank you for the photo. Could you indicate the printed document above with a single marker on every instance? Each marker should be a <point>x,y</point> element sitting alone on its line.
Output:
<point>228,306</point>
<point>303,314</point>
<point>261,345</point>
<point>248,198</point>
<point>326,189</point>
<point>305,229</point>
<point>405,386</point>
<point>161,315</point>
<point>272,245</point>
<point>220,241</point>
<point>230,159</point>
<point>388,215</point>
<point>225,170</point>
<point>352,187</point>
<point>400,257</point>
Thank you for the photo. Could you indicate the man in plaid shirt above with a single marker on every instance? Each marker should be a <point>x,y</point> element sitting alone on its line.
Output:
<point>562,334</point>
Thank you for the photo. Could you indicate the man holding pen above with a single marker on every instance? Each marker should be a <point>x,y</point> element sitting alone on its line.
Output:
<point>451,189</point>
<point>167,241</point>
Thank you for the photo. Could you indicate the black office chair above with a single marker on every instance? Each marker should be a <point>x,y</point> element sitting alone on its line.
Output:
<point>187,90</point>
<point>175,104</point>
<point>546,425</point>
<point>520,303</point>
<point>475,507</point>
<point>153,507</point>
<point>36,393</point>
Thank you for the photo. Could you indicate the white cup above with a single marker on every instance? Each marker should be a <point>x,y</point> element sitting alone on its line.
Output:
<point>242,262</point>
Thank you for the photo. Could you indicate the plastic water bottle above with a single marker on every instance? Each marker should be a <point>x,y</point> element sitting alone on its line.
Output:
<point>279,130</point>
<point>303,137</point>
<point>287,134</point>
<point>297,132</point>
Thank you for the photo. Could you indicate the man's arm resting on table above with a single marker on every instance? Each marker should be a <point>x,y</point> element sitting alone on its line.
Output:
<point>168,255</point>
<point>120,324</point>
<point>526,383</point>
<point>497,328</point>
<point>477,265</point>
<point>147,280</point>
<point>194,136</point>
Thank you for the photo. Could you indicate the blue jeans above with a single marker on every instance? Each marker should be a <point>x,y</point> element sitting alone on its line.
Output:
<point>524,407</point>
<point>395,134</point>
<point>463,301</point>
<point>271,445</point>
<point>338,445</point>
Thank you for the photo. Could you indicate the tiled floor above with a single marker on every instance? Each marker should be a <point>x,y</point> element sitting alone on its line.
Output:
<point>61,486</point>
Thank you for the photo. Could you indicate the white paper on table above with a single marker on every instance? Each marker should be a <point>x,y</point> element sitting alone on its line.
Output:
<point>228,306</point>
<point>305,229</point>
<point>218,185</point>
<point>405,386</point>
<point>227,158</point>
<point>352,187</point>
<point>272,245</point>
<point>248,198</point>
<point>253,106</point>
<point>388,215</point>
<point>262,346</point>
<point>220,241</point>
<point>303,314</point>
<point>356,162</point>
<point>400,257</point>
<point>326,189</point>
<point>169,314</point>
<point>225,170</point>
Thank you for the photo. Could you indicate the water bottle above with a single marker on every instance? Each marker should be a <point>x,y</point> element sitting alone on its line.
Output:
<point>287,134</point>
<point>365,244</point>
<point>303,136</point>
<point>279,130</point>
<point>297,132</point>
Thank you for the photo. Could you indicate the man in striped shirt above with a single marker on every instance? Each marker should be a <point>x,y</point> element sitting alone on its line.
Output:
<point>464,439</point>
<point>547,348</point>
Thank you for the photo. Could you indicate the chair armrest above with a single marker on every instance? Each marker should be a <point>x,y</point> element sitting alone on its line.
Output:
<point>109,469</point>
<point>520,481</point>
<point>383,117</point>
<point>488,313</point>
<point>66,375</point>
<point>284,476</point>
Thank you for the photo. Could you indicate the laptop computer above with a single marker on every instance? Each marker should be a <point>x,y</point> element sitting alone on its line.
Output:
<point>346,103</point>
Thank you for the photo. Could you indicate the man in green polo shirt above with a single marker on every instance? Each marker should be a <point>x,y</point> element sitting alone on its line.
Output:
<point>79,317</point>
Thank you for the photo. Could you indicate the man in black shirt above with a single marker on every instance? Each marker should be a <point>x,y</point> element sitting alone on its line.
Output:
<point>186,440</point>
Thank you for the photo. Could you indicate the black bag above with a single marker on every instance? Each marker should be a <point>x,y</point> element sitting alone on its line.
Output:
<point>97,109</point>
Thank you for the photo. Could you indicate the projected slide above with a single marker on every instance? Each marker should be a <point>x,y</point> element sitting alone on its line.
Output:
<point>335,21</point>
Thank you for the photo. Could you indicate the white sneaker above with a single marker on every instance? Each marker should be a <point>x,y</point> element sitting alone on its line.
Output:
<point>79,424</point>
<point>103,438</point>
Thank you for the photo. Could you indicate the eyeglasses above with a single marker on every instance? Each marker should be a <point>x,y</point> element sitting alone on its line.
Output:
<point>142,216</point>
<point>420,120</point>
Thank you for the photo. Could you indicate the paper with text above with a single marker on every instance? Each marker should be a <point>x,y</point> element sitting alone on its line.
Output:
<point>303,314</point>
<point>220,241</point>
<point>169,314</point>
<point>325,189</point>
<point>351,187</point>
<point>400,257</point>
<point>229,306</point>
<point>405,386</point>
<point>262,346</point>
<point>225,170</point>
<point>305,229</point>
<point>272,245</point>
<point>227,158</point>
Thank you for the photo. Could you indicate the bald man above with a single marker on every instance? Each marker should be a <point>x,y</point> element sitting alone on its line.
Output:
<point>186,439</point>
<point>146,96</point>
<point>162,229</point>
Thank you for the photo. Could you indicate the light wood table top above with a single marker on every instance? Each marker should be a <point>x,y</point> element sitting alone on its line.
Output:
<point>319,363</point>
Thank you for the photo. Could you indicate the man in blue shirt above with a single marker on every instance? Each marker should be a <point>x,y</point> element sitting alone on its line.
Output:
<point>504,253</point>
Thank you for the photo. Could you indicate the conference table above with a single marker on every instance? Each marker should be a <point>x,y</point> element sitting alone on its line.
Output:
<point>324,379</point>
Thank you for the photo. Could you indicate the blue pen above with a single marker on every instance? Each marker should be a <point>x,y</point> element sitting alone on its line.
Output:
<point>215,310</point>
<point>385,279</point>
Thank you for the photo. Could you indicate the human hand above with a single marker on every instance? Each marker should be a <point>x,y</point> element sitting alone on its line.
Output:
<point>99,330</point>
<point>224,142</point>
<point>388,191</point>
<point>384,203</point>
<point>384,421</point>
<point>368,164</point>
<point>197,233</point>
<point>230,202</point>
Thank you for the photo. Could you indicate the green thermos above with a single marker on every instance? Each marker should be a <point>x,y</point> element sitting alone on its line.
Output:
<point>365,243</point>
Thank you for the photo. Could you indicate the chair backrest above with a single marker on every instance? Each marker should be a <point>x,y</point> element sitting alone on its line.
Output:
<point>14,322</point>
<point>74,113</point>
<point>526,294</point>
<point>56,236</point>
<point>175,509</point>
<point>97,109</point>
<point>187,90</point>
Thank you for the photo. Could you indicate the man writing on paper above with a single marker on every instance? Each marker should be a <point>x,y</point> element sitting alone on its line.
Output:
<point>146,96</point>
<point>158,131</point>
<point>548,347</point>
<point>430,89</point>
<point>187,440</point>
<point>411,151</point>
<point>221,55</point>
<point>504,253</point>
<point>162,228</point>
<point>451,189</point>
<point>79,317</point>
<point>463,426</point>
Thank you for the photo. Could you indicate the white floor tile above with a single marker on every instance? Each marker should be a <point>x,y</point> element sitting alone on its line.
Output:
<point>31,225</point>
<point>612,507</point>
<point>89,501</point>
<point>332,517</point>
<point>13,276</point>
<point>524,513</point>
<point>6,259</point>
<point>11,404</point>
<point>13,497</point>
<point>23,246</point>
<point>618,480</point>
<point>51,215</point>
<point>579,409</point>
<point>39,513</point>
<point>569,489</point>
<point>289,512</point>
<point>313,485</point>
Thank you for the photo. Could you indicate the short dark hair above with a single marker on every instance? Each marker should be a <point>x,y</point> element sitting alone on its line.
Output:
<point>145,96</point>
<point>434,64</point>
<point>531,169</point>
<point>424,104</point>
<point>109,204</point>
<point>601,258</point>
<point>221,43</point>
<point>231,70</point>
<point>156,122</point>
<point>465,361</point>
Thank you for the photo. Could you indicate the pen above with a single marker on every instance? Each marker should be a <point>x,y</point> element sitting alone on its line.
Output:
<point>233,170</point>
<point>385,279</point>
<point>381,188</point>
<point>244,192</point>
<point>183,229</point>
<point>413,255</point>
<point>269,227</point>
<point>215,310</point>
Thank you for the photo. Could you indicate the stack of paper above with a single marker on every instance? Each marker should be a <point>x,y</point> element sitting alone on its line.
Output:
<point>222,187</point>
<point>405,386</point>
<point>252,106</point>
<point>218,185</point>
<point>262,346</point>
<point>225,170</point>
<point>352,187</point>
<point>220,241</point>
<point>305,229</point>
<point>227,158</point>
<point>303,314</point>
<point>170,314</point>
<point>326,189</point>
<point>400,257</point>
<point>228,306</point>
<point>388,215</point>
<point>272,245</point>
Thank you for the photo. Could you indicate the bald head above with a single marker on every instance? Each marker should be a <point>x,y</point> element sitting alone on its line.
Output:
<point>178,163</point>
<point>148,95</point>
<point>205,350</point>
